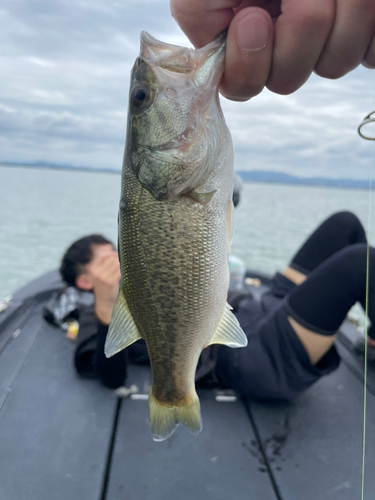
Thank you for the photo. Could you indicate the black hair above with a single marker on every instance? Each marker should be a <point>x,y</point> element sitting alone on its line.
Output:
<point>79,254</point>
<point>237,188</point>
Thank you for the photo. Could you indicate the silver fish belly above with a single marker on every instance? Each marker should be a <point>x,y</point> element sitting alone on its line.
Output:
<point>175,225</point>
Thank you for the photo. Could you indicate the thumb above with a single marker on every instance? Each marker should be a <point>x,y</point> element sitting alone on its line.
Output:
<point>248,54</point>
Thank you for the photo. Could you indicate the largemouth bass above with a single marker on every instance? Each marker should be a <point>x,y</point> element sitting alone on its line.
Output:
<point>175,224</point>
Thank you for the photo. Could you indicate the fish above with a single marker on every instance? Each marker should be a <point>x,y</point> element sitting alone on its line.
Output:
<point>175,225</point>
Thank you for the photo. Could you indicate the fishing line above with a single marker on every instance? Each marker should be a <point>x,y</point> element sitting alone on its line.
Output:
<point>370,118</point>
<point>366,346</point>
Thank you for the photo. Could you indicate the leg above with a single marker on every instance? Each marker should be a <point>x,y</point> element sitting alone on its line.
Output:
<point>337,232</point>
<point>315,345</point>
<point>319,305</point>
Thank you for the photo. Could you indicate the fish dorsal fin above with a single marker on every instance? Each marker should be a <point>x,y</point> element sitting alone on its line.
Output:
<point>122,330</point>
<point>229,331</point>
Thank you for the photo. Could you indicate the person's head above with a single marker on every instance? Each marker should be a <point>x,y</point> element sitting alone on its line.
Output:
<point>237,188</point>
<point>75,264</point>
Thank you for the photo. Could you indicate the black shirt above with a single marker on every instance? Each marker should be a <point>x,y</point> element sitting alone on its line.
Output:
<point>91,362</point>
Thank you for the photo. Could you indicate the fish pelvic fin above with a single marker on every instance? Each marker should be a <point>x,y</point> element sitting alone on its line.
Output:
<point>164,419</point>
<point>229,331</point>
<point>122,329</point>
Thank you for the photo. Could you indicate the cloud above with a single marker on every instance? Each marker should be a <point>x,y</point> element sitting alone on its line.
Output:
<point>313,131</point>
<point>64,98</point>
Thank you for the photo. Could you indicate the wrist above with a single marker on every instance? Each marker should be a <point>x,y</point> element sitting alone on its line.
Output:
<point>103,312</point>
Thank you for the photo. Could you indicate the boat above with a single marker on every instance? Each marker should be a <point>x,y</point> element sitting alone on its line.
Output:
<point>63,437</point>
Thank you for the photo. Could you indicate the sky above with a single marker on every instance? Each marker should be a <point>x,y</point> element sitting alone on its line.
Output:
<point>65,67</point>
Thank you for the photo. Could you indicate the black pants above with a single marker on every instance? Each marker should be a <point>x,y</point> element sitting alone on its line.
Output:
<point>275,364</point>
<point>338,264</point>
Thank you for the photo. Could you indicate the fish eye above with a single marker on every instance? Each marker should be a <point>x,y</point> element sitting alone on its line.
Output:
<point>140,96</point>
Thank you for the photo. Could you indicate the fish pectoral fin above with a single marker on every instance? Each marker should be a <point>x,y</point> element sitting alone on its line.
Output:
<point>229,331</point>
<point>164,419</point>
<point>203,198</point>
<point>122,330</point>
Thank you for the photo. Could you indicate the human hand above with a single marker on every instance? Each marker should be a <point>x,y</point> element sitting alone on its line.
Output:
<point>106,274</point>
<point>279,43</point>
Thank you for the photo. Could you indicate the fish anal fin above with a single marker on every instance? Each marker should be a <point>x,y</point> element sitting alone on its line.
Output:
<point>122,329</point>
<point>164,419</point>
<point>229,331</point>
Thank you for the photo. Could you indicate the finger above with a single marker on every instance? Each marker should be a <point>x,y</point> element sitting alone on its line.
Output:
<point>369,59</point>
<point>271,6</point>
<point>300,34</point>
<point>108,275</point>
<point>111,264</point>
<point>203,20</point>
<point>113,268</point>
<point>349,39</point>
<point>99,262</point>
<point>104,262</point>
<point>248,54</point>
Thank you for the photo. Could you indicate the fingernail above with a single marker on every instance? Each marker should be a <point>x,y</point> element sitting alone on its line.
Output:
<point>252,32</point>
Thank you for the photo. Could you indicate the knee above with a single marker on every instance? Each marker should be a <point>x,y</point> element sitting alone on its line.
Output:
<point>354,258</point>
<point>356,252</point>
<point>350,222</point>
<point>346,220</point>
<point>360,260</point>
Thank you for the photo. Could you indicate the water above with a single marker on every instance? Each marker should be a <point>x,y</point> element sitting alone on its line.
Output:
<point>43,211</point>
<point>273,220</point>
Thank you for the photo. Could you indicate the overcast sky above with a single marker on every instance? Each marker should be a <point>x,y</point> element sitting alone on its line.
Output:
<point>65,66</point>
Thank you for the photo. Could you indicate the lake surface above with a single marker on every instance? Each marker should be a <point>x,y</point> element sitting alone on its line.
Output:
<point>43,211</point>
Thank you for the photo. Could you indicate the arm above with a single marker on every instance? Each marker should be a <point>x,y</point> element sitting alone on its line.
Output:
<point>89,358</point>
<point>279,43</point>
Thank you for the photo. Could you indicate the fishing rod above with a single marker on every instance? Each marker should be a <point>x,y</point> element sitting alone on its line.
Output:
<point>366,120</point>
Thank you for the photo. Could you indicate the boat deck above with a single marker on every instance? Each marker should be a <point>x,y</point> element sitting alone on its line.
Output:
<point>62,437</point>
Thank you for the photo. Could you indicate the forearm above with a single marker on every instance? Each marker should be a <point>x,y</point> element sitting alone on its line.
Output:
<point>103,310</point>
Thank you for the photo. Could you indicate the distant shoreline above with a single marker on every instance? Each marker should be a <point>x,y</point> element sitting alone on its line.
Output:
<point>248,176</point>
<point>45,166</point>
<point>269,177</point>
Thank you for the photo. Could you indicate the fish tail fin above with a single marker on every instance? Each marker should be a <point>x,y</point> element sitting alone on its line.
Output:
<point>164,419</point>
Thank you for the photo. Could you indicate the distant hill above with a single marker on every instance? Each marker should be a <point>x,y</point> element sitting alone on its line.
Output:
<point>246,175</point>
<point>57,166</point>
<point>280,178</point>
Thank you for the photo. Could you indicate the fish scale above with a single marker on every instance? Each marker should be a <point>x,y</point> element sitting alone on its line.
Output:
<point>175,225</point>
